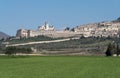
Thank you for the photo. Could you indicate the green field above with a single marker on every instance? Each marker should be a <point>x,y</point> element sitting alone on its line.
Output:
<point>60,67</point>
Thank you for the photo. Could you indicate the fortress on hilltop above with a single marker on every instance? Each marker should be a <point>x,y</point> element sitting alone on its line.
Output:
<point>96,29</point>
<point>45,30</point>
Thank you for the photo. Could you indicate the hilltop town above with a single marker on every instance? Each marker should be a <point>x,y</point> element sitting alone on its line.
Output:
<point>88,39</point>
<point>105,29</point>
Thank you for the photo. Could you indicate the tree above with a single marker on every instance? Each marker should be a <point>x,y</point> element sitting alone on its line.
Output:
<point>2,39</point>
<point>109,50</point>
<point>118,19</point>
<point>73,29</point>
<point>10,51</point>
<point>113,49</point>
<point>28,50</point>
<point>118,50</point>
<point>67,28</point>
<point>82,37</point>
<point>14,50</point>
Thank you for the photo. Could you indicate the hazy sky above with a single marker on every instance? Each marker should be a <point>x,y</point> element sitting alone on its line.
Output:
<point>29,14</point>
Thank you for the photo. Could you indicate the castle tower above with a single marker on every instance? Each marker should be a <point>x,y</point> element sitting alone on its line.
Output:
<point>46,26</point>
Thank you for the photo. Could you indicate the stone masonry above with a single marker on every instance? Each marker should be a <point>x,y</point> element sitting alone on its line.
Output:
<point>96,29</point>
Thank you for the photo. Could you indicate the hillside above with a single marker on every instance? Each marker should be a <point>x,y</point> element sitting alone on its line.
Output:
<point>92,39</point>
<point>82,46</point>
<point>3,35</point>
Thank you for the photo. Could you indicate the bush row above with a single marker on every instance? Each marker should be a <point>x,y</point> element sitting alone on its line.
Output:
<point>14,50</point>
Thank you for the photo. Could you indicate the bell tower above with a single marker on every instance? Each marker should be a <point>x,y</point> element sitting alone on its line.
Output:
<point>46,26</point>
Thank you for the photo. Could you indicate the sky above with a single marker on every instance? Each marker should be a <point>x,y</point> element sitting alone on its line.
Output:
<point>29,14</point>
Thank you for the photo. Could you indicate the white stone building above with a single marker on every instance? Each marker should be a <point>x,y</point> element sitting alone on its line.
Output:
<point>22,33</point>
<point>46,27</point>
<point>42,30</point>
<point>96,29</point>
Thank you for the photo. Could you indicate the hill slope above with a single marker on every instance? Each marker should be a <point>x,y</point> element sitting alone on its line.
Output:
<point>3,35</point>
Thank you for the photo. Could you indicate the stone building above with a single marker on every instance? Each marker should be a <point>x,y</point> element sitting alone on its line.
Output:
<point>99,29</point>
<point>22,33</point>
<point>46,27</point>
<point>96,29</point>
<point>42,30</point>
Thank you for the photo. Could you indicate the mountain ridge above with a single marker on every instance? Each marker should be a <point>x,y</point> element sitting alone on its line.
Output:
<point>3,35</point>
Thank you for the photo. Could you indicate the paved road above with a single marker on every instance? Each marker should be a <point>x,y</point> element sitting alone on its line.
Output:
<point>39,42</point>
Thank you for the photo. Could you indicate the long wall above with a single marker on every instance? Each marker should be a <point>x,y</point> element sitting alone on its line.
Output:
<point>54,34</point>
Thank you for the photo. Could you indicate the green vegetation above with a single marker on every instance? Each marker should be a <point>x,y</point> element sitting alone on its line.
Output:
<point>75,43</point>
<point>117,20</point>
<point>15,50</point>
<point>113,49</point>
<point>59,67</point>
<point>91,44</point>
<point>31,39</point>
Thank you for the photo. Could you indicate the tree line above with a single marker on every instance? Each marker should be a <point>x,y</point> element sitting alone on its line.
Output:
<point>15,50</point>
<point>113,49</point>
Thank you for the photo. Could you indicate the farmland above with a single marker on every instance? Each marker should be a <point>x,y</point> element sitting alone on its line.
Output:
<point>59,67</point>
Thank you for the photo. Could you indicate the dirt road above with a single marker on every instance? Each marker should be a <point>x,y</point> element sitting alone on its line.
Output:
<point>38,42</point>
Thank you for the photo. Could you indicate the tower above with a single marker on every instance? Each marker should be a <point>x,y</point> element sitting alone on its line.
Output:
<point>46,26</point>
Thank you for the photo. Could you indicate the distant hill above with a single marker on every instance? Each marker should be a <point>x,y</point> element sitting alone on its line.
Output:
<point>3,35</point>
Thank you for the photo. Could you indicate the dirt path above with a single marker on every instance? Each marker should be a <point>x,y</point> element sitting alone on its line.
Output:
<point>38,42</point>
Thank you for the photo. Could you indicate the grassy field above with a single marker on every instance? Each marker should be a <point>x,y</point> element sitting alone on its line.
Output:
<point>59,67</point>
